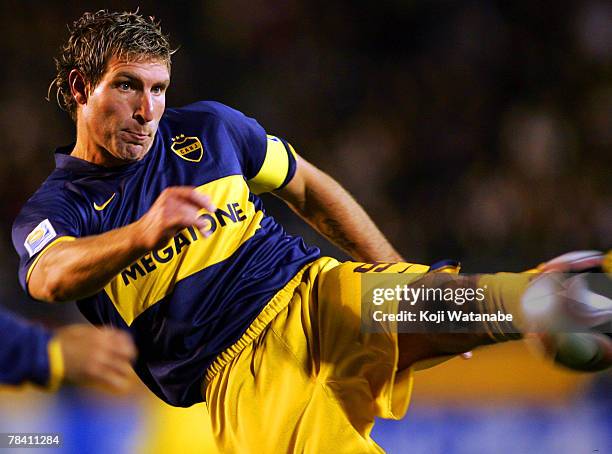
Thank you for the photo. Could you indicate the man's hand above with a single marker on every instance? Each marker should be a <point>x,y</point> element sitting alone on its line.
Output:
<point>176,208</point>
<point>97,356</point>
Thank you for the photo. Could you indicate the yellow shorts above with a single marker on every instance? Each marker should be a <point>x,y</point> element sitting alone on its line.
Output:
<point>304,378</point>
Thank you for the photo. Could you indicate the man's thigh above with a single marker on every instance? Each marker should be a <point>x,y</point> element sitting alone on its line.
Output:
<point>358,364</point>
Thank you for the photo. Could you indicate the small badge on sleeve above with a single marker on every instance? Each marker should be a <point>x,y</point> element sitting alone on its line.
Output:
<point>39,237</point>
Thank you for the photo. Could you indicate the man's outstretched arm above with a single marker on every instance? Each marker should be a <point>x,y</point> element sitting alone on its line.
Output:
<point>75,269</point>
<point>329,208</point>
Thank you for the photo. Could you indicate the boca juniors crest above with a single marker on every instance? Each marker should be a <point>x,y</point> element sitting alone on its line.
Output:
<point>188,148</point>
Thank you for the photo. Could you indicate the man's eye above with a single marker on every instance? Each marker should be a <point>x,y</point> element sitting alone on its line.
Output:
<point>157,90</point>
<point>124,86</point>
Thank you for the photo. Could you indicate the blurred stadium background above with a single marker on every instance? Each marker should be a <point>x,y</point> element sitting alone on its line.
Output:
<point>474,130</point>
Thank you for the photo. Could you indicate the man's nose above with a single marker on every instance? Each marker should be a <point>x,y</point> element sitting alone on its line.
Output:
<point>144,110</point>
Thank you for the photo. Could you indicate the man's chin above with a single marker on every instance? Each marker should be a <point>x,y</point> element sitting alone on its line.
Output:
<point>135,152</point>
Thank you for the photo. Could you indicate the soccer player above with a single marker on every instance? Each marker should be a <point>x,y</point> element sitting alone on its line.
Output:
<point>151,221</point>
<point>78,354</point>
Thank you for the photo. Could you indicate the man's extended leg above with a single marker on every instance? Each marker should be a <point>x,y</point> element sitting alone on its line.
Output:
<point>533,309</point>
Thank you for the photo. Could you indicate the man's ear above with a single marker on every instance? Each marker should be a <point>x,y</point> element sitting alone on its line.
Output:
<point>78,86</point>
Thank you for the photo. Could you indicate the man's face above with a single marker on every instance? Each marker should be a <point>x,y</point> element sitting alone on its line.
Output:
<point>122,112</point>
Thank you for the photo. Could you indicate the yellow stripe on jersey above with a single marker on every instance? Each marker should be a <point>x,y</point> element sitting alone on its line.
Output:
<point>154,275</point>
<point>44,251</point>
<point>274,169</point>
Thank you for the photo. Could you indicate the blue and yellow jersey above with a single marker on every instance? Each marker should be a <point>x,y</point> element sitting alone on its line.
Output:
<point>193,298</point>
<point>28,353</point>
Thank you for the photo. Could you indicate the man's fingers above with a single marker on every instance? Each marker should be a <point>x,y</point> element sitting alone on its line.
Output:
<point>177,207</point>
<point>191,216</point>
<point>115,382</point>
<point>117,366</point>
<point>111,370</point>
<point>190,194</point>
<point>99,357</point>
<point>120,343</point>
<point>203,201</point>
<point>203,226</point>
<point>198,202</point>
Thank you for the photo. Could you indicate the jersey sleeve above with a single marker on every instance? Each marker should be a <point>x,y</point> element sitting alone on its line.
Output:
<point>46,220</point>
<point>268,162</point>
<point>277,168</point>
<point>24,352</point>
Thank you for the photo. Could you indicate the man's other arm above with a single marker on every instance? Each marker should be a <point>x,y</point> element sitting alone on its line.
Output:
<point>79,354</point>
<point>331,210</point>
<point>23,351</point>
<point>72,270</point>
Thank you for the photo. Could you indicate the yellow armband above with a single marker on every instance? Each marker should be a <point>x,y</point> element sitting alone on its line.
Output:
<point>277,165</point>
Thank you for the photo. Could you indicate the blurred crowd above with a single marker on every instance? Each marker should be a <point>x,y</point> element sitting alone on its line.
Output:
<point>473,130</point>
